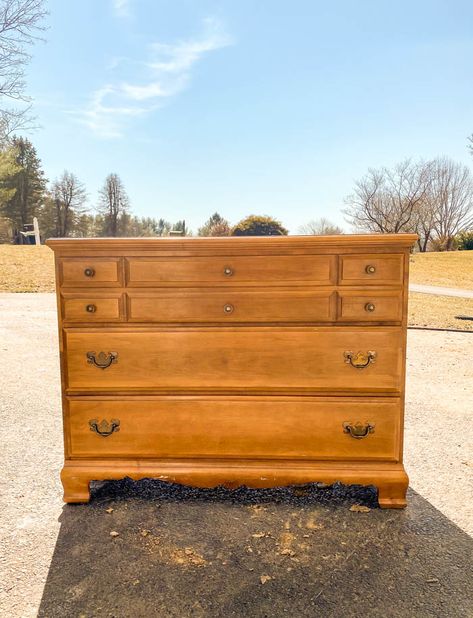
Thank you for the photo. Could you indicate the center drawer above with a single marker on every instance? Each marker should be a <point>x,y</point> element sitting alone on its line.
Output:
<point>276,427</point>
<point>235,358</point>
<point>230,270</point>
<point>234,305</point>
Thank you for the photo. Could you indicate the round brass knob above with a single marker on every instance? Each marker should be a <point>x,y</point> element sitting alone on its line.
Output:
<point>369,307</point>
<point>228,271</point>
<point>91,308</point>
<point>89,272</point>
<point>370,269</point>
<point>228,308</point>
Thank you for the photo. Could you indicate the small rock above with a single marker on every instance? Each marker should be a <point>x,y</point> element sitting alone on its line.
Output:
<point>114,533</point>
<point>265,578</point>
<point>109,510</point>
<point>145,532</point>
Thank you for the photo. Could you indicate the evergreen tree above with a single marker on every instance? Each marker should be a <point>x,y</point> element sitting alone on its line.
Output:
<point>8,168</point>
<point>27,185</point>
<point>216,225</point>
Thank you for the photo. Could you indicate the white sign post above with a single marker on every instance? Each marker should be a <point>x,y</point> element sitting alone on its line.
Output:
<point>37,237</point>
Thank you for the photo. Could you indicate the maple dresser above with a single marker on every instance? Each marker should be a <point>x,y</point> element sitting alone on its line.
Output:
<point>257,361</point>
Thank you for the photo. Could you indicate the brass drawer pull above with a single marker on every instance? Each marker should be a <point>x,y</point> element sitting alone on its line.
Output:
<point>370,269</point>
<point>370,307</point>
<point>228,271</point>
<point>358,430</point>
<point>90,308</point>
<point>228,308</point>
<point>360,359</point>
<point>102,360</point>
<point>104,428</point>
<point>89,272</point>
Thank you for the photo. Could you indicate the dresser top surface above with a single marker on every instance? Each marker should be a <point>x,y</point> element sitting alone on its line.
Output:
<point>172,243</point>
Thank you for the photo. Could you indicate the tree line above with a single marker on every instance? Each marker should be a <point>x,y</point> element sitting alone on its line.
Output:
<point>433,199</point>
<point>62,207</point>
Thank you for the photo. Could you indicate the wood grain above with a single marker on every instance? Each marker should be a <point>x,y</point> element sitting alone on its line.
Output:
<point>235,358</point>
<point>293,428</point>
<point>228,306</point>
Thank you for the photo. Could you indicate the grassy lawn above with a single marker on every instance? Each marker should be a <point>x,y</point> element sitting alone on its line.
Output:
<point>31,269</point>
<point>439,311</point>
<point>26,269</point>
<point>453,269</point>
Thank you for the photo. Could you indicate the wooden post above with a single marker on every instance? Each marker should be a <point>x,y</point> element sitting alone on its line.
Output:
<point>37,237</point>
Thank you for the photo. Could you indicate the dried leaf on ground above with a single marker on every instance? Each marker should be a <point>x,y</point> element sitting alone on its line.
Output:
<point>359,508</point>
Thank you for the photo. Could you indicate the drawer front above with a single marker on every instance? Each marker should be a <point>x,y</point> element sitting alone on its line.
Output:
<point>91,308</point>
<point>93,272</point>
<point>211,305</point>
<point>240,358</point>
<point>376,306</point>
<point>375,269</point>
<point>230,270</point>
<point>295,428</point>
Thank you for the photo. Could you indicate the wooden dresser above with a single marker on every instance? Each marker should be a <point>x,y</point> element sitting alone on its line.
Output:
<point>257,361</point>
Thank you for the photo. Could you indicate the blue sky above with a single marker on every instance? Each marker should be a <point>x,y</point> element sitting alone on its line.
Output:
<point>262,106</point>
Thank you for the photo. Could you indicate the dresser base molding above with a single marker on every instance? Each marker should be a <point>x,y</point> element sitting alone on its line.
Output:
<point>390,479</point>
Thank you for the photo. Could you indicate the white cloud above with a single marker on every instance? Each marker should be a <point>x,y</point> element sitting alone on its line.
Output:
<point>121,7</point>
<point>167,71</point>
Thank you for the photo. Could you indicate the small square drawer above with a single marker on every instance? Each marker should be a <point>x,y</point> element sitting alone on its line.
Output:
<point>373,269</point>
<point>92,308</point>
<point>376,306</point>
<point>93,272</point>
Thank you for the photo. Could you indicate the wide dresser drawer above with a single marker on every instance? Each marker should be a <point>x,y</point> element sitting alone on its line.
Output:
<point>235,305</point>
<point>276,427</point>
<point>235,358</point>
<point>230,270</point>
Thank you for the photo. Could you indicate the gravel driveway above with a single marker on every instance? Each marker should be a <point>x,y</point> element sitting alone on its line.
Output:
<point>195,553</point>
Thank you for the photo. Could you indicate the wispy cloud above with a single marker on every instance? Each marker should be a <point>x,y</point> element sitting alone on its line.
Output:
<point>166,73</point>
<point>121,7</point>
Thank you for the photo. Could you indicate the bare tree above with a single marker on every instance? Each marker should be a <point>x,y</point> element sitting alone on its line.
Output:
<point>113,203</point>
<point>68,197</point>
<point>451,200</point>
<point>20,25</point>
<point>385,200</point>
<point>422,223</point>
<point>320,227</point>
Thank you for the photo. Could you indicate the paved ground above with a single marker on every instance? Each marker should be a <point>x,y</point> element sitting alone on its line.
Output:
<point>197,553</point>
<point>440,291</point>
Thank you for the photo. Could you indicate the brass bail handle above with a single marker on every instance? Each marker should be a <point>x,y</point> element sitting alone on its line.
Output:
<point>104,428</point>
<point>358,430</point>
<point>360,360</point>
<point>102,360</point>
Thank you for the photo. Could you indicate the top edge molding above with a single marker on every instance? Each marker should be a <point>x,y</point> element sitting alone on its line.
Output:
<point>169,243</point>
